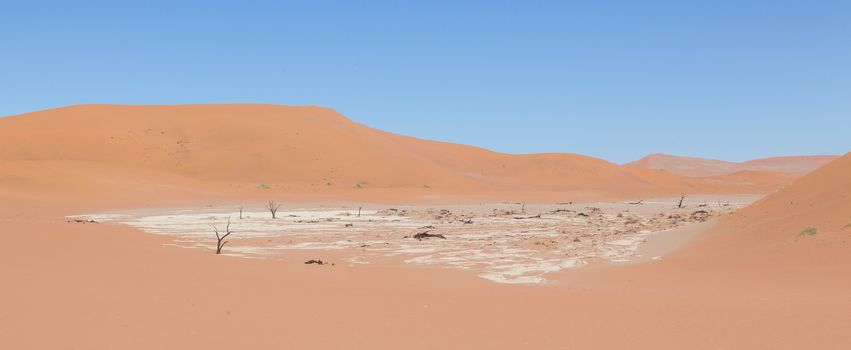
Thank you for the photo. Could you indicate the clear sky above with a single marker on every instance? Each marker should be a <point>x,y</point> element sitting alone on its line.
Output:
<point>613,79</point>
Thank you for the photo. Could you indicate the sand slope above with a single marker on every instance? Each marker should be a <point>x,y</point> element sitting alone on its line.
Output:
<point>821,200</point>
<point>747,283</point>
<point>701,167</point>
<point>312,150</point>
<point>764,244</point>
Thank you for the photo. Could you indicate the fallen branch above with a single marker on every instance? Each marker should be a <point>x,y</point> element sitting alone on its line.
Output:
<point>423,235</point>
<point>527,217</point>
<point>83,221</point>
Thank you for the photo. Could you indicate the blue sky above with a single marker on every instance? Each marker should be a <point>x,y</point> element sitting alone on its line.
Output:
<point>613,79</point>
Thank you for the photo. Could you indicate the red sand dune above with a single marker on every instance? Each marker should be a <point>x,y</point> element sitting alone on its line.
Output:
<point>701,167</point>
<point>236,148</point>
<point>748,282</point>
<point>758,181</point>
<point>752,281</point>
<point>821,200</point>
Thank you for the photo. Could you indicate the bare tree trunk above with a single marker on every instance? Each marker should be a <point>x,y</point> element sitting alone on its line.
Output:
<point>221,239</point>
<point>240,213</point>
<point>680,205</point>
<point>273,208</point>
<point>359,208</point>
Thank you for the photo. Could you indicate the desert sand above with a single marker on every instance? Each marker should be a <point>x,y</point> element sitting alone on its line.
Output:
<point>299,150</point>
<point>701,167</point>
<point>771,275</point>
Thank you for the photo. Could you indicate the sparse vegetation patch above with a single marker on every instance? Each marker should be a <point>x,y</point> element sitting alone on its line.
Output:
<point>807,231</point>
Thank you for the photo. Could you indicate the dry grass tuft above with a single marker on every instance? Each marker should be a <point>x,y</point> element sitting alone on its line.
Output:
<point>807,231</point>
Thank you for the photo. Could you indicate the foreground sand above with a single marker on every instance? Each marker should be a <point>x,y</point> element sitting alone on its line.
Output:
<point>99,286</point>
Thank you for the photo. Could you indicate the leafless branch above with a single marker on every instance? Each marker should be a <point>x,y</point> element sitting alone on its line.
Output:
<point>220,239</point>
<point>273,208</point>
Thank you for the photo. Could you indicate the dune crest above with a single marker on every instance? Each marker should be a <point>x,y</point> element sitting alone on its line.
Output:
<point>702,167</point>
<point>314,150</point>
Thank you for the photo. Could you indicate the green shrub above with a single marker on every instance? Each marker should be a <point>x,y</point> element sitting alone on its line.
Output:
<point>806,231</point>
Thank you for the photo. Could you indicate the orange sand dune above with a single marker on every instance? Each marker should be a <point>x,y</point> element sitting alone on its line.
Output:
<point>744,284</point>
<point>748,282</point>
<point>821,200</point>
<point>754,268</point>
<point>755,181</point>
<point>701,167</point>
<point>242,148</point>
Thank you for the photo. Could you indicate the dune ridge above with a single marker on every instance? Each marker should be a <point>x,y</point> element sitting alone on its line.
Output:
<point>311,150</point>
<point>703,167</point>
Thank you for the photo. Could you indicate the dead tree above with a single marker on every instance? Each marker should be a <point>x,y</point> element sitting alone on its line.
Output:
<point>273,208</point>
<point>680,205</point>
<point>359,208</point>
<point>221,238</point>
<point>240,213</point>
<point>523,208</point>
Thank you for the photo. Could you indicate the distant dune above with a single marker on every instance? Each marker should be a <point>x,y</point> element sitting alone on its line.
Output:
<point>314,150</point>
<point>701,167</point>
<point>759,181</point>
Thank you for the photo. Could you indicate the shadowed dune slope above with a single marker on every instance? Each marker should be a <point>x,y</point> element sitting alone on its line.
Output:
<point>701,167</point>
<point>295,149</point>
